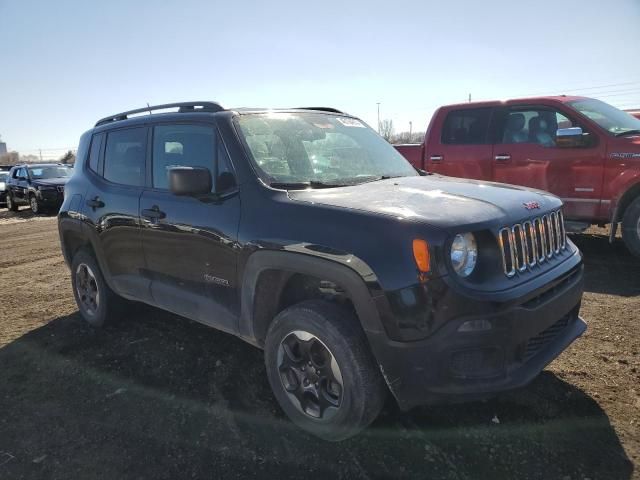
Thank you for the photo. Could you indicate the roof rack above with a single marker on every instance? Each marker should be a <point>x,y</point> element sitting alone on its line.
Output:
<point>322,109</point>
<point>183,107</point>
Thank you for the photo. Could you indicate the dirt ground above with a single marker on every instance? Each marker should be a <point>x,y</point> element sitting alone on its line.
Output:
<point>157,396</point>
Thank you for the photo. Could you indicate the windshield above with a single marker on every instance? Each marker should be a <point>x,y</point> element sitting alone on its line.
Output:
<point>608,117</point>
<point>54,171</point>
<point>316,148</point>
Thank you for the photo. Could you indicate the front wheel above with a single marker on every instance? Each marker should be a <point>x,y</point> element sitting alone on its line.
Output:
<point>631,227</point>
<point>321,370</point>
<point>34,204</point>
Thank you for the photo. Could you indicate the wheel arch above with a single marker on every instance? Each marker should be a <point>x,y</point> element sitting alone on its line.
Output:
<point>627,197</point>
<point>269,274</point>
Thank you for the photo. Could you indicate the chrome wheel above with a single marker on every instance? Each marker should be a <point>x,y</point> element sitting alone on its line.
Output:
<point>87,289</point>
<point>34,204</point>
<point>310,375</point>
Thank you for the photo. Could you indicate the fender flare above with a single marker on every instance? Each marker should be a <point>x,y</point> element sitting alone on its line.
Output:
<point>353,284</point>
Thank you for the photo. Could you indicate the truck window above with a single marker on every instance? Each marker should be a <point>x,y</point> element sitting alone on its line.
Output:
<point>533,125</point>
<point>181,146</point>
<point>124,156</point>
<point>466,127</point>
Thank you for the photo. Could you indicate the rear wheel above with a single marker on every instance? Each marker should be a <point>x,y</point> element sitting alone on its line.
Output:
<point>631,227</point>
<point>96,301</point>
<point>321,371</point>
<point>11,205</point>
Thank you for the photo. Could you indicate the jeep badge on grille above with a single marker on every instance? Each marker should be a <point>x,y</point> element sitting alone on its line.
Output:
<point>531,205</point>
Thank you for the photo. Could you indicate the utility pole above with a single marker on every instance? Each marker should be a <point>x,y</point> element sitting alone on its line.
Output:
<point>410,129</point>
<point>40,154</point>
<point>469,98</point>
<point>378,103</point>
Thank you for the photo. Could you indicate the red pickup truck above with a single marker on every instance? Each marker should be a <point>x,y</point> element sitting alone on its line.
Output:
<point>581,149</point>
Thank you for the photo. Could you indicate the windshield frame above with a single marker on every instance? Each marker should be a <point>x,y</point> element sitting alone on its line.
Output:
<point>572,104</point>
<point>267,179</point>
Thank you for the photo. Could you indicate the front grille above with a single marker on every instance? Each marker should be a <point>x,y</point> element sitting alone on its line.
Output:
<point>532,242</point>
<point>537,343</point>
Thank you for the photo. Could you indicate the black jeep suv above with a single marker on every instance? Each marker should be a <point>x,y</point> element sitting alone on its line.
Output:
<point>304,233</point>
<point>41,186</point>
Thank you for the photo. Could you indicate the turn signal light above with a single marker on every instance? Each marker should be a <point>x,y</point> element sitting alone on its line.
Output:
<point>421,255</point>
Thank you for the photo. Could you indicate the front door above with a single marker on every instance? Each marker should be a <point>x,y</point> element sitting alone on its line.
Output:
<point>190,243</point>
<point>526,154</point>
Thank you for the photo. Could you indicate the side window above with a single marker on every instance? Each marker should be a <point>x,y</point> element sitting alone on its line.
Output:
<point>466,127</point>
<point>124,156</point>
<point>94,152</point>
<point>181,145</point>
<point>533,125</point>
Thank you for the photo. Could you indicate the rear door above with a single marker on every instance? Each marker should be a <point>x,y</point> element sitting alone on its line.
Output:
<point>190,243</point>
<point>459,144</point>
<point>526,154</point>
<point>111,207</point>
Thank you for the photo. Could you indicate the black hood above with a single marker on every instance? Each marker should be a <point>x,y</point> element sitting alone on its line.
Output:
<point>50,181</point>
<point>437,200</point>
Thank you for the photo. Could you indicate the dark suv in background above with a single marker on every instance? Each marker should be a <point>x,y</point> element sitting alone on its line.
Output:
<point>306,234</point>
<point>40,186</point>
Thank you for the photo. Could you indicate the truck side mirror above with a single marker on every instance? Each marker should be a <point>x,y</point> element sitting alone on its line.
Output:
<point>569,137</point>
<point>190,181</point>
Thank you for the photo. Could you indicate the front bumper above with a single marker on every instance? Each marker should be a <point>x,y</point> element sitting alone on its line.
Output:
<point>50,198</point>
<point>452,366</point>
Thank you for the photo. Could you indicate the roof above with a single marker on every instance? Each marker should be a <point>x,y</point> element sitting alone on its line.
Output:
<point>195,107</point>
<point>519,101</point>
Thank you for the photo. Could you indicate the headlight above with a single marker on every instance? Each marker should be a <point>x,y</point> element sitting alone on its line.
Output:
<point>464,253</point>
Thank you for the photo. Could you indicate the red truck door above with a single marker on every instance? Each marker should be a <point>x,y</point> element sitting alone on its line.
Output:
<point>525,153</point>
<point>458,143</point>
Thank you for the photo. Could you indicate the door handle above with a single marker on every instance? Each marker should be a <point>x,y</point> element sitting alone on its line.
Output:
<point>95,203</point>
<point>502,158</point>
<point>154,213</point>
<point>436,158</point>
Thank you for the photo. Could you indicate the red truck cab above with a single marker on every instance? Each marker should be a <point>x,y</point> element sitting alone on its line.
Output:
<point>581,149</point>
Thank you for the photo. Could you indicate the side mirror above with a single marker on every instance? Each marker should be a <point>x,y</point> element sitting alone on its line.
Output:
<point>569,137</point>
<point>190,181</point>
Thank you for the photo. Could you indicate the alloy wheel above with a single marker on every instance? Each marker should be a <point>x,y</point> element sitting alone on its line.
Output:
<point>34,204</point>
<point>87,289</point>
<point>310,375</point>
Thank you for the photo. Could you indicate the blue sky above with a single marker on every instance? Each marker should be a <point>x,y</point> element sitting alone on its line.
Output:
<point>64,64</point>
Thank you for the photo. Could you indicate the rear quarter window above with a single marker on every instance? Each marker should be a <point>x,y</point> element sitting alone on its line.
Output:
<point>466,126</point>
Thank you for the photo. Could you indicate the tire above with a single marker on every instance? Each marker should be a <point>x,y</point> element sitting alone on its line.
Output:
<point>11,205</point>
<point>307,331</point>
<point>106,304</point>
<point>631,227</point>
<point>34,204</point>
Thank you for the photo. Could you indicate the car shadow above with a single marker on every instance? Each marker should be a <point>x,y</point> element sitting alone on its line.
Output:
<point>156,396</point>
<point>610,268</point>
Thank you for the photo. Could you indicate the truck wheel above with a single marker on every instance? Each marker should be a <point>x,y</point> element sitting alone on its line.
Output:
<point>35,205</point>
<point>631,227</point>
<point>11,205</point>
<point>95,300</point>
<point>321,370</point>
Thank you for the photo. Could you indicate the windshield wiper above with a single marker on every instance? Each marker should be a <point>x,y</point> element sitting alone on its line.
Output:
<point>634,131</point>
<point>303,185</point>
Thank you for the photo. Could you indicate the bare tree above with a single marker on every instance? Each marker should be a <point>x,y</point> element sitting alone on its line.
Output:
<point>386,129</point>
<point>10,158</point>
<point>68,157</point>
